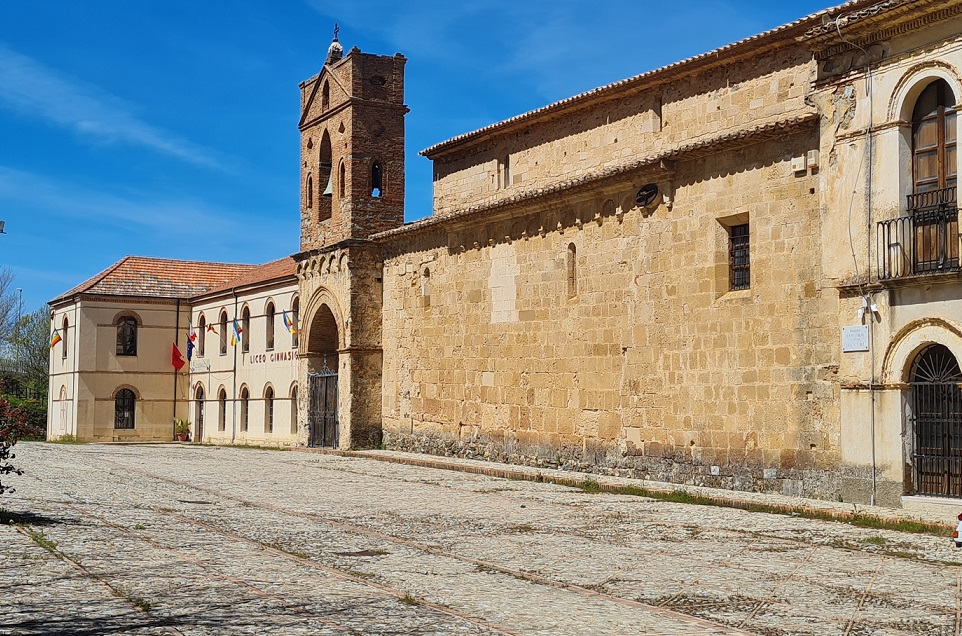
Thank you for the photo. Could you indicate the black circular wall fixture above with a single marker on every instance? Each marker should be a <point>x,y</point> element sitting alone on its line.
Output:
<point>646,195</point>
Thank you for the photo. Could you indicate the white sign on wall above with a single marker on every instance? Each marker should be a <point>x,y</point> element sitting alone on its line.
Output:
<point>855,338</point>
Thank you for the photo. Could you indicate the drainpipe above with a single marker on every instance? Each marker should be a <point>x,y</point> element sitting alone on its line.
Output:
<point>233,411</point>
<point>173,426</point>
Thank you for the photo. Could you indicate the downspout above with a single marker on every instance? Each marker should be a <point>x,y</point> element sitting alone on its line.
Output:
<point>867,300</point>
<point>173,425</point>
<point>233,411</point>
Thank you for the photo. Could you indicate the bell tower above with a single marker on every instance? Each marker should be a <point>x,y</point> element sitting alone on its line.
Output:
<point>352,147</point>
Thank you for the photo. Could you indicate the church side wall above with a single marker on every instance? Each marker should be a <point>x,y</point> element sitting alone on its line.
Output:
<point>630,127</point>
<point>639,360</point>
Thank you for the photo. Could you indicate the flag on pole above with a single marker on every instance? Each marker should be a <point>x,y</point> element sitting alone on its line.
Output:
<point>191,334</point>
<point>236,335</point>
<point>55,338</point>
<point>210,327</point>
<point>176,358</point>
<point>190,350</point>
<point>289,324</point>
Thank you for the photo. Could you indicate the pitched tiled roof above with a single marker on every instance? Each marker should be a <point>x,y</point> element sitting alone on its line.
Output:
<point>275,270</point>
<point>784,33</point>
<point>157,278</point>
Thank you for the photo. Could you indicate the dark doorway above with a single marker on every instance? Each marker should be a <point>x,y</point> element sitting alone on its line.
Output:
<point>936,400</point>
<point>322,378</point>
<point>199,413</point>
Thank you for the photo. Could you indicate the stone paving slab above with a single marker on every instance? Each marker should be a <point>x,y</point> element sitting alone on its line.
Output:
<point>206,540</point>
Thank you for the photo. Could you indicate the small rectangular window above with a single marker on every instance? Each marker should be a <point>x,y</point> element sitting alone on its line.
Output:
<point>739,257</point>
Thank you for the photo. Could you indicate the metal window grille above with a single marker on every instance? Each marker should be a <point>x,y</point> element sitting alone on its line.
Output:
<point>127,337</point>
<point>739,258</point>
<point>124,404</point>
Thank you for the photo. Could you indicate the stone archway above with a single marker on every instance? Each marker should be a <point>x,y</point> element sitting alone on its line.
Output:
<point>322,378</point>
<point>936,422</point>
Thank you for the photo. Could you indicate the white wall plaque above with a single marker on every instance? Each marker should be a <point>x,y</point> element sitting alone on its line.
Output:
<point>855,338</point>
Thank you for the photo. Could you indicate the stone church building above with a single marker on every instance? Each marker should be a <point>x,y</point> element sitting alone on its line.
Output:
<point>738,270</point>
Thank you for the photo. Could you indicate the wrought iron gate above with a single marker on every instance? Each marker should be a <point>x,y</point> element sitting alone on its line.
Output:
<point>322,417</point>
<point>937,423</point>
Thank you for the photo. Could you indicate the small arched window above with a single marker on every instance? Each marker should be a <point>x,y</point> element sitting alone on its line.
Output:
<point>202,336</point>
<point>505,171</point>
<point>571,268</point>
<point>63,337</point>
<point>341,180</point>
<point>294,410</point>
<point>127,336</point>
<point>124,403</point>
<point>377,179</point>
<point>269,410</point>
<point>269,315</point>
<point>426,287</point>
<point>325,96</point>
<point>246,330</point>
<point>245,398</point>
<point>222,410</point>
<point>223,333</point>
<point>310,192</point>
<point>295,310</point>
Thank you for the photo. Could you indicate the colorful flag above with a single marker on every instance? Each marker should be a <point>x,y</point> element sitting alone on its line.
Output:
<point>191,334</point>
<point>190,350</point>
<point>236,336</point>
<point>289,324</point>
<point>210,327</point>
<point>55,338</point>
<point>176,358</point>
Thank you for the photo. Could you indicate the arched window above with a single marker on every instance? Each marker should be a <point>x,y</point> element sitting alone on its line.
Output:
<point>295,310</point>
<point>426,288</point>
<point>936,409</point>
<point>341,180</point>
<point>269,338</point>
<point>325,96</point>
<point>124,402</point>
<point>269,410</point>
<point>245,398</point>
<point>571,267</point>
<point>202,336</point>
<point>63,408</point>
<point>199,404</point>
<point>63,338</point>
<point>377,179</point>
<point>310,192</point>
<point>246,330</point>
<point>934,138</point>
<point>325,176</point>
<point>934,172</point>
<point>127,336</point>
<point>294,410</point>
<point>222,410</point>
<point>223,333</point>
<point>505,170</point>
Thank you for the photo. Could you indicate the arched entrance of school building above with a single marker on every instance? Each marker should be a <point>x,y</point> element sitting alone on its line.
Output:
<point>322,359</point>
<point>935,403</point>
<point>199,402</point>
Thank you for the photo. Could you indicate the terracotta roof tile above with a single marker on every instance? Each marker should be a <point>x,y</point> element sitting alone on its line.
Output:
<point>275,270</point>
<point>157,278</point>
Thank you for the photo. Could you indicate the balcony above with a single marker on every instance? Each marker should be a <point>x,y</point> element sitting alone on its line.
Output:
<point>923,243</point>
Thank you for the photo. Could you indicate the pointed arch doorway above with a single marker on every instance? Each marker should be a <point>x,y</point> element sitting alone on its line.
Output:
<point>936,419</point>
<point>322,380</point>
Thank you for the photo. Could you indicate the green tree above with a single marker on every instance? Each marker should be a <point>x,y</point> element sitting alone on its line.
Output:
<point>31,348</point>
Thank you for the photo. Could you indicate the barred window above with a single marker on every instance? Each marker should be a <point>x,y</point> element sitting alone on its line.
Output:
<point>739,257</point>
<point>222,410</point>
<point>244,408</point>
<point>124,409</point>
<point>269,410</point>
<point>127,336</point>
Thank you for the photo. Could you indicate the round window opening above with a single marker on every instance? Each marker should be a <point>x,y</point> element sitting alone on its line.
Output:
<point>646,195</point>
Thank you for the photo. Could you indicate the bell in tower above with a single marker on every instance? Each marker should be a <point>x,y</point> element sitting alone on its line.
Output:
<point>352,140</point>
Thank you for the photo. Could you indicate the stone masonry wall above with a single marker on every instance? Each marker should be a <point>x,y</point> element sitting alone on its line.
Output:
<point>644,357</point>
<point>629,126</point>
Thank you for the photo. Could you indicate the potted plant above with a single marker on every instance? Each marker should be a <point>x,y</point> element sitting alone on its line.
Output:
<point>182,429</point>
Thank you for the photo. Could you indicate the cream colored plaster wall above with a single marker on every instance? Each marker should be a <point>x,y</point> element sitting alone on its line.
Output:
<point>654,356</point>
<point>256,370</point>
<point>634,125</point>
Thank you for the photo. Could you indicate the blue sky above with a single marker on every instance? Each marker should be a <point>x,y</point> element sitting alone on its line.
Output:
<point>170,128</point>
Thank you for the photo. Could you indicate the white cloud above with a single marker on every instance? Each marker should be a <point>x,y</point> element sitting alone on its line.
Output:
<point>33,89</point>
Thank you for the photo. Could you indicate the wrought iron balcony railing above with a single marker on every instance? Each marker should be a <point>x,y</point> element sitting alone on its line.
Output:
<point>925,242</point>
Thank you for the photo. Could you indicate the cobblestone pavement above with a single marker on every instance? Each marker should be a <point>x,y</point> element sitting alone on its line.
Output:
<point>178,539</point>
